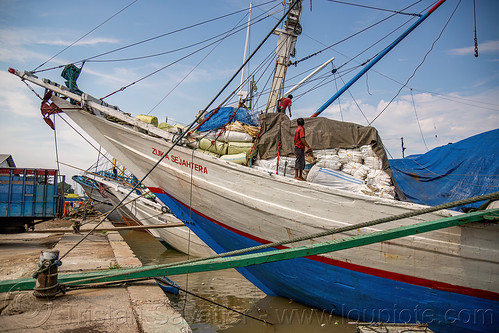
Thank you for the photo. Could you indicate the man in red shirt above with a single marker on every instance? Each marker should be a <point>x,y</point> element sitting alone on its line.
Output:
<point>285,103</point>
<point>300,145</point>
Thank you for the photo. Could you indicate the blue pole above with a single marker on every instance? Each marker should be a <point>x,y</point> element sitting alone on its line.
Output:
<point>376,59</point>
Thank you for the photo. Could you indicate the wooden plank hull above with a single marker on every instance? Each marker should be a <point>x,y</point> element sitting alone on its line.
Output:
<point>146,212</point>
<point>102,204</point>
<point>446,278</point>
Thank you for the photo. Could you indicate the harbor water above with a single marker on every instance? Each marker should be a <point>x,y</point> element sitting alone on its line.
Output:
<point>232,290</point>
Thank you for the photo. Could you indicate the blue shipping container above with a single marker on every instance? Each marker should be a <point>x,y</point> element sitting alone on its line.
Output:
<point>27,195</point>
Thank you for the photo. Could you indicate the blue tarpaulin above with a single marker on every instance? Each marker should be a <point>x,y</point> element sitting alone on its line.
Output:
<point>222,116</point>
<point>456,171</point>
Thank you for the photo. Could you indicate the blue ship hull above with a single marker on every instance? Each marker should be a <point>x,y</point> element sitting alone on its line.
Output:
<point>317,282</point>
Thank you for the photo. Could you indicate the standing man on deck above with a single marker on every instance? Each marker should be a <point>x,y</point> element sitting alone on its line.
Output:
<point>284,103</point>
<point>300,145</point>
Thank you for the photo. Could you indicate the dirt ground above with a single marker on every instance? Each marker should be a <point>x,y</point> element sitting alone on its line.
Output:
<point>134,308</point>
<point>20,253</point>
<point>54,224</point>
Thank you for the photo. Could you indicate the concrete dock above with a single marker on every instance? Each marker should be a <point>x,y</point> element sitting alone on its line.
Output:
<point>137,307</point>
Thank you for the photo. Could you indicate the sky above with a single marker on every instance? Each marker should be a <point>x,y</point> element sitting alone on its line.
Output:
<point>450,94</point>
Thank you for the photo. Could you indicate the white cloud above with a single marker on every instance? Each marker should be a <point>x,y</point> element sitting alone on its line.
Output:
<point>486,47</point>
<point>443,119</point>
<point>15,101</point>
<point>118,76</point>
<point>31,142</point>
<point>84,42</point>
<point>22,36</point>
<point>13,50</point>
<point>24,45</point>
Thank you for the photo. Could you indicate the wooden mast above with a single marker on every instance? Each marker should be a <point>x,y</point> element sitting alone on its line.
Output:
<point>285,48</point>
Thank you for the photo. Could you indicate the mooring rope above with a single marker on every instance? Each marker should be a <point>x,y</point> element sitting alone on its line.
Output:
<point>490,196</point>
<point>65,288</point>
<point>212,302</point>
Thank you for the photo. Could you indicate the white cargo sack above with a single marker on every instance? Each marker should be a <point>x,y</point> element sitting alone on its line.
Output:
<point>216,147</point>
<point>235,158</point>
<point>379,179</point>
<point>361,172</point>
<point>367,151</point>
<point>351,167</point>
<point>329,162</point>
<point>350,156</point>
<point>239,147</point>
<point>235,136</point>
<point>286,165</point>
<point>325,153</point>
<point>373,162</point>
<point>333,178</point>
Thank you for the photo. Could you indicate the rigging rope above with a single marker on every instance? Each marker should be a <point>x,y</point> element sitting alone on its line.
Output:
<point>171,32</point>
<point>241,27</point>
<point>57,154</point>
<point>85,35</point>
<point>156,37</point>
<point>264,66</point>
<point>271,58</point>
<point>180,137</point>
<point>188,234</point>
<point>417,119</point>
<point>295,2</point>
<point>474,22</point>
<point>461,100</point>
<point>347,38</point>
<point>41,98</point>
<point>100,215</point>
<point>97,149</point>
<point>146,40</point>
<point>269,62</point>
<point>115,207</point>
<point>353,59</point>
<point>192,70</point>
<point>176,61</point>
<point>354,100</point>
<point>442,96</point>
<point>377,8</point>
<point>420,64</point>
<point>336,86</point>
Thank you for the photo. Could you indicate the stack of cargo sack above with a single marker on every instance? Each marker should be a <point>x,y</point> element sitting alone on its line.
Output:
<point>176,129</point>
<point>357,170</point>
<point>232,143</point>
<point>286,165</point>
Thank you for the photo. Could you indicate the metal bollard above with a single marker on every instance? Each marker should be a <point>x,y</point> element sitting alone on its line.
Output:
<point>46,276</point>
